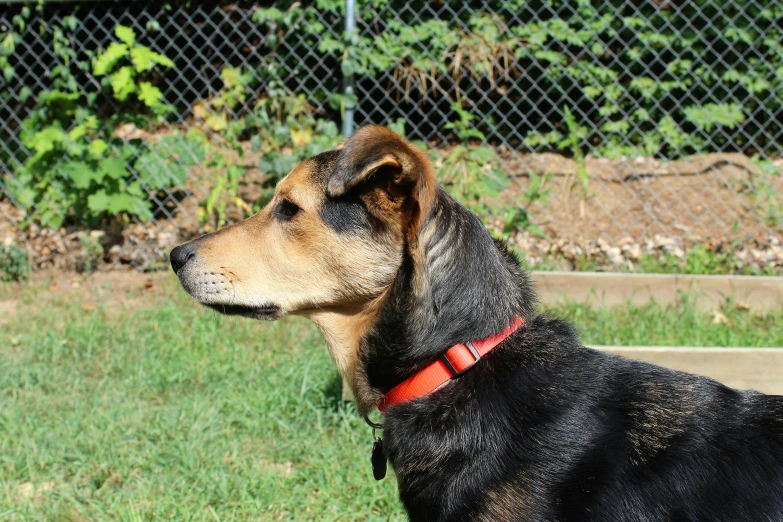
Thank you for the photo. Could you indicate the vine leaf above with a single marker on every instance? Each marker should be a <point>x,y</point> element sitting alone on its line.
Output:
<point>106,61</point>
<point>144,58</point>
<point>122,82</point>
<point>149,94</point>
<point>125,34</point>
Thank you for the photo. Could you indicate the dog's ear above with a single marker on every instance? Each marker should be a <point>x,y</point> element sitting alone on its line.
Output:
<point>393,177</point>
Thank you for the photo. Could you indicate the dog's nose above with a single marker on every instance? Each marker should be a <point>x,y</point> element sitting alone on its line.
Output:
<point>181,255</point>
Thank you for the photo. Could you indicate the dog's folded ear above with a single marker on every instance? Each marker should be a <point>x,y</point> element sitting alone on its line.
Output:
<point>392,176</point>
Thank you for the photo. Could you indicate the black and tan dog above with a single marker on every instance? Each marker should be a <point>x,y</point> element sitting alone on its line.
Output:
<point>395,272</point>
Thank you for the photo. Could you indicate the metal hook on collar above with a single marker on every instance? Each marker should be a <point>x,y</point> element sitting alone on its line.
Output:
<point>372,424</point>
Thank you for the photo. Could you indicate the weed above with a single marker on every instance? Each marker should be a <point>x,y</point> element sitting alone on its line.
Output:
<point>763,193</point>
<point>93,251</point>
<point>573,141</point>
<point>470,172</point>
<point>14,263</point>
<point>287,133</point>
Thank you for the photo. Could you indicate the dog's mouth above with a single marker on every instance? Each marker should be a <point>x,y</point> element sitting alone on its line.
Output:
<point>265,312</point>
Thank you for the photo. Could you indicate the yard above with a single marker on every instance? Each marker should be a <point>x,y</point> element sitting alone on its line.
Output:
<point>589,136</point>
<point>122,399</point>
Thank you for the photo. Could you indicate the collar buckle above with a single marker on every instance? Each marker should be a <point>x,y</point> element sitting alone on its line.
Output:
<point>450,366</point>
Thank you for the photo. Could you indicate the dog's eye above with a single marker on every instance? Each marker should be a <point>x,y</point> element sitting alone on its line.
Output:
<point>286,210</point>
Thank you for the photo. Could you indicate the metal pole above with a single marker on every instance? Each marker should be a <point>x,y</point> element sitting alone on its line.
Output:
<point>350,25</point>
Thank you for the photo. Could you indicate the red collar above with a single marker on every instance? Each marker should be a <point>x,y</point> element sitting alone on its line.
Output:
<point>457,360</point>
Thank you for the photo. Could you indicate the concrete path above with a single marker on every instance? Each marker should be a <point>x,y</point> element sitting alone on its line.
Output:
<point>742,368</point>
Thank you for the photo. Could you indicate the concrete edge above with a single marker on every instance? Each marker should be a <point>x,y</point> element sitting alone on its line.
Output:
<point>680,349</point>
<point>708,292</point>
<point>739,368</point>
<point>645,275</point>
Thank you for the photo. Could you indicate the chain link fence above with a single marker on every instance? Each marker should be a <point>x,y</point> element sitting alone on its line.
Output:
<point>621,127</point>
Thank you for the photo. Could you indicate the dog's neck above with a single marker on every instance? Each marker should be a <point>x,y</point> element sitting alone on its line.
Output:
<point>344,328</point>
<point>465,288</point>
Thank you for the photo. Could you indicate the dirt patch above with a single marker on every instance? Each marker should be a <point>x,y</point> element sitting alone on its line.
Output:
<point>7,309</point>
<point>700,197</point>
<point>37,493</point>
<point>112,291</point>
<point>109,290</point>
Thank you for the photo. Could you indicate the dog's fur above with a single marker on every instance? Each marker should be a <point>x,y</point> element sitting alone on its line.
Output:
<point>394,272</point>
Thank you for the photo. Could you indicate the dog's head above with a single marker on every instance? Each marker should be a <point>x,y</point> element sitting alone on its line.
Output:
<point>332,235</point>
<point>328,244</point>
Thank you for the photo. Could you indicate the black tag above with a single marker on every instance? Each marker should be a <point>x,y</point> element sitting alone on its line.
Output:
<point>378,459</point>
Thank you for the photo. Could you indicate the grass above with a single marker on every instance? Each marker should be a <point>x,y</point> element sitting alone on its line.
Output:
<point>173,412</point>
<point>154,408</point>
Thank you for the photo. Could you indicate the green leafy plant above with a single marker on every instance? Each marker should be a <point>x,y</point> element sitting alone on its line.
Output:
<point>218,111</point>
<point>634,66</point>
<point>519,217</point>
<point>77,168</point>
<point>711,115</point>
<point>763,193</point>
<point>469,169</point>
<point>470,172</point>
<point>280,126</point>
<point>9,39</point>
<point>640,72</point>
<point>224,155</point>
<point>14,263</point>
<point>223,192</point>
<point>286,133</point>
<point>125,66</point>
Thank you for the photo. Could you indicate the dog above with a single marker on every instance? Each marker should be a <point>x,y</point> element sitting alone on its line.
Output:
<point>492,410</point>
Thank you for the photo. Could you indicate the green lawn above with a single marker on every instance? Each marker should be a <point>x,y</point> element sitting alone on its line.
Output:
<point>154,408</point>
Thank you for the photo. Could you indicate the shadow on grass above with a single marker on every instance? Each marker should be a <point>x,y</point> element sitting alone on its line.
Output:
<point>333,392</point>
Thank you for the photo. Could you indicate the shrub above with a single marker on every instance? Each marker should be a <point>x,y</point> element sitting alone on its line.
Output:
<point>77,168</point>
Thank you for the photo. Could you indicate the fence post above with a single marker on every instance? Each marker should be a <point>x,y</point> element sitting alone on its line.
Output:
<point>350,25</point>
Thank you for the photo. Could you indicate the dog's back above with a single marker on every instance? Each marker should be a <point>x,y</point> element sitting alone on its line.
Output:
<point>549,430</point>
<point>678,447</point>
